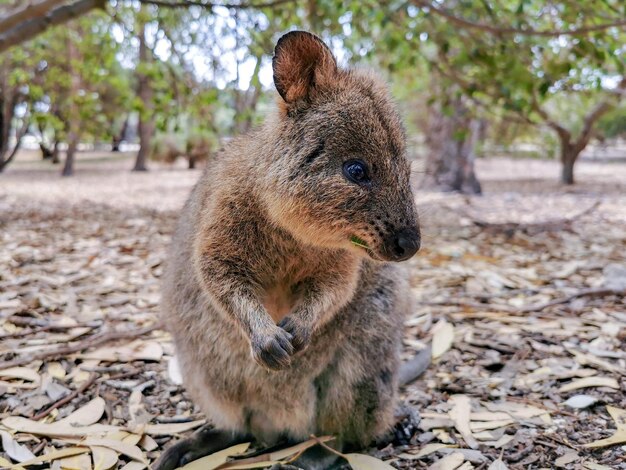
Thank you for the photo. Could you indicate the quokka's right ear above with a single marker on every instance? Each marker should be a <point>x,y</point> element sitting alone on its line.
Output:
<point>301,63</point>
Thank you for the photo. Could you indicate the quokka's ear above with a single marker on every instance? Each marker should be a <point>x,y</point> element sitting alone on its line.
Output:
<point>301,62</point>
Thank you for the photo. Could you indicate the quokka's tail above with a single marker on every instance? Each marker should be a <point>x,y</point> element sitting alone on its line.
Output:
<point>414,367</point>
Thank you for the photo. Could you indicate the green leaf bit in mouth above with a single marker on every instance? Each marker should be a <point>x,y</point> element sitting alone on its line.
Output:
<point>356,241</point>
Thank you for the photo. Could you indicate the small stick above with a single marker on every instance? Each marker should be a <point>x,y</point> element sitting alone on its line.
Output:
<point>34,331</point>
<point>92,341</point>
<point>88,383</point>
<point>564,300</point>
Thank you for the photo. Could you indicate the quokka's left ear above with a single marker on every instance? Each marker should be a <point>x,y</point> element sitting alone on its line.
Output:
<point>301,63</point>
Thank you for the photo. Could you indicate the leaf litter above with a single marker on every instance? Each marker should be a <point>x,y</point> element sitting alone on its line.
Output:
<point>527,330</point>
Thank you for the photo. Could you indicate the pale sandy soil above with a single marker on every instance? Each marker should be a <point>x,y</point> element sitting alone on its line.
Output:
<point>105,178</point>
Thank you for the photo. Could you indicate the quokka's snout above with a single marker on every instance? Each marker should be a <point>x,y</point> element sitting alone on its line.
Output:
<point>402,245</point>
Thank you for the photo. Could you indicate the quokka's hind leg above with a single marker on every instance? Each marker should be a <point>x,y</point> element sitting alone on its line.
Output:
<point>205,441</point>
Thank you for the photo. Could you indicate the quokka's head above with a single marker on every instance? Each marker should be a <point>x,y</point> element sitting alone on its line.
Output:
<point>339,176</point>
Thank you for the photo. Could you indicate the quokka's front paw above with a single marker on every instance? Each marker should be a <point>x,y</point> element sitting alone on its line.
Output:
<point>273,349</point>
<point>300,332</point>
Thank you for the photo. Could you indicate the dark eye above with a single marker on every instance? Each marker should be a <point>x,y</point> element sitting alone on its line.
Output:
<point>356,171</point>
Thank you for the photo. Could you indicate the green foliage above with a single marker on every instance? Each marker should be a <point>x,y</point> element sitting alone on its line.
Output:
<point>504,55</point>
<point>613,124</point>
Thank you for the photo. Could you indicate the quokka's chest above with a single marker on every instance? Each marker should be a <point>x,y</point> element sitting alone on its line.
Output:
<point>286,287</point>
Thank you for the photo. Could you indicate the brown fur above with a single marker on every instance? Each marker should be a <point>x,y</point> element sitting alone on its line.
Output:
<point>265,239</point>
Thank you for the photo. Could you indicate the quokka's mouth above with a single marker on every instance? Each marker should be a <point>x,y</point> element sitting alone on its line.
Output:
<point>360,243</point>
<point>356,241</point>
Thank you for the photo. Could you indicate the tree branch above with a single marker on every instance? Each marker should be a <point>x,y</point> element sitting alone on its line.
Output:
<point>19,135</point>
<point>596,113</point>
<point>31,28</point>
<point>563,133</point>
<point>451,75</point>
<point>209,5</point>
<point>502,30</point>
<point>27,12</point>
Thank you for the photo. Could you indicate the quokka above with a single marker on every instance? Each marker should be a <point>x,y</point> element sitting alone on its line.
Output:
<point>286,311</point>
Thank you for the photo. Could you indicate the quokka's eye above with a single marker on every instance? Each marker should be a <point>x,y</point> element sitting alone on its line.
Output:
<point>356,171</point>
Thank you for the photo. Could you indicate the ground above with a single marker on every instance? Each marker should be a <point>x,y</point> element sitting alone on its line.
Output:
<point>515,376</point>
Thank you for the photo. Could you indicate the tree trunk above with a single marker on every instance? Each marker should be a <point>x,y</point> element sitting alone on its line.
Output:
<point>452,141</point>
<point>146,116</point>
<point>55,153</point>
<point>569,155</point>
<point>46,153</point>
<point>6,123</point>
<point>68,167</point>
<point>6,118</point>
<point>73,124</point>
<point>119,137</point>
<point>192,162</point>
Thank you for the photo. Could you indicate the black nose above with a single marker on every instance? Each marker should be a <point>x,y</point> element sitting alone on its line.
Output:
<point>403,244</point>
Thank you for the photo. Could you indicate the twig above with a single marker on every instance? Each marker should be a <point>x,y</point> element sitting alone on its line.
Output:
<point>121,375</point>
<point>564,300</point>
<point>34,331</point>
<point>95,340</point>
<point>601,292</point>
<point>503,30</point>
<point>211,5</point>
<point>177,419</point>
<point>510,228</point>
<point>88,383</point>
<point>473,305</point>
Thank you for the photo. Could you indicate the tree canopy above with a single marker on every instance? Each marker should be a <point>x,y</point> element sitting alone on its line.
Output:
<point>174,65</point>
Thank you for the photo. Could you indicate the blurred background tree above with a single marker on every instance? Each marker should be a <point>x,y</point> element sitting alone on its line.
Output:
<point>178,76</point>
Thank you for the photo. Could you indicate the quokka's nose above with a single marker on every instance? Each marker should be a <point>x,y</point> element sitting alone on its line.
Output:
<point>403,244</point>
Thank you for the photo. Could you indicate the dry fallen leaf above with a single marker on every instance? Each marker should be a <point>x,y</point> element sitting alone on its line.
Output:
<point>54,455</point>
<point>171,428</point>
<point>486,425</point>
<point>595,466</point>
<point>443,337</point>
<point>32,378</point>
<point>590,382</point>
<point>619,416</point>
<point>86,415</point>
<point>460,414</point>
<point>129,450</point>
<point>16,451</point>
<point>366,462</point>
<point>59,430</point>
<point>430,448</point>
<point>56,370</point>
<point>216,459</point>
<point>134,465</point>
<point>173,371</point>
<point>138,350</point>
<point>498,464</point>
<point>75,462</point>
<point>4,463</point>
<point>566,459</point>
<point>263,464</point>
<point>298,448</point>
<point>147,443</point>
<point>580,401</point>
<point>449,462</point>
<point>103,457</point>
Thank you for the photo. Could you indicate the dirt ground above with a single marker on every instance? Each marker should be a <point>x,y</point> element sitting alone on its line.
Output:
<point>520,296</point>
